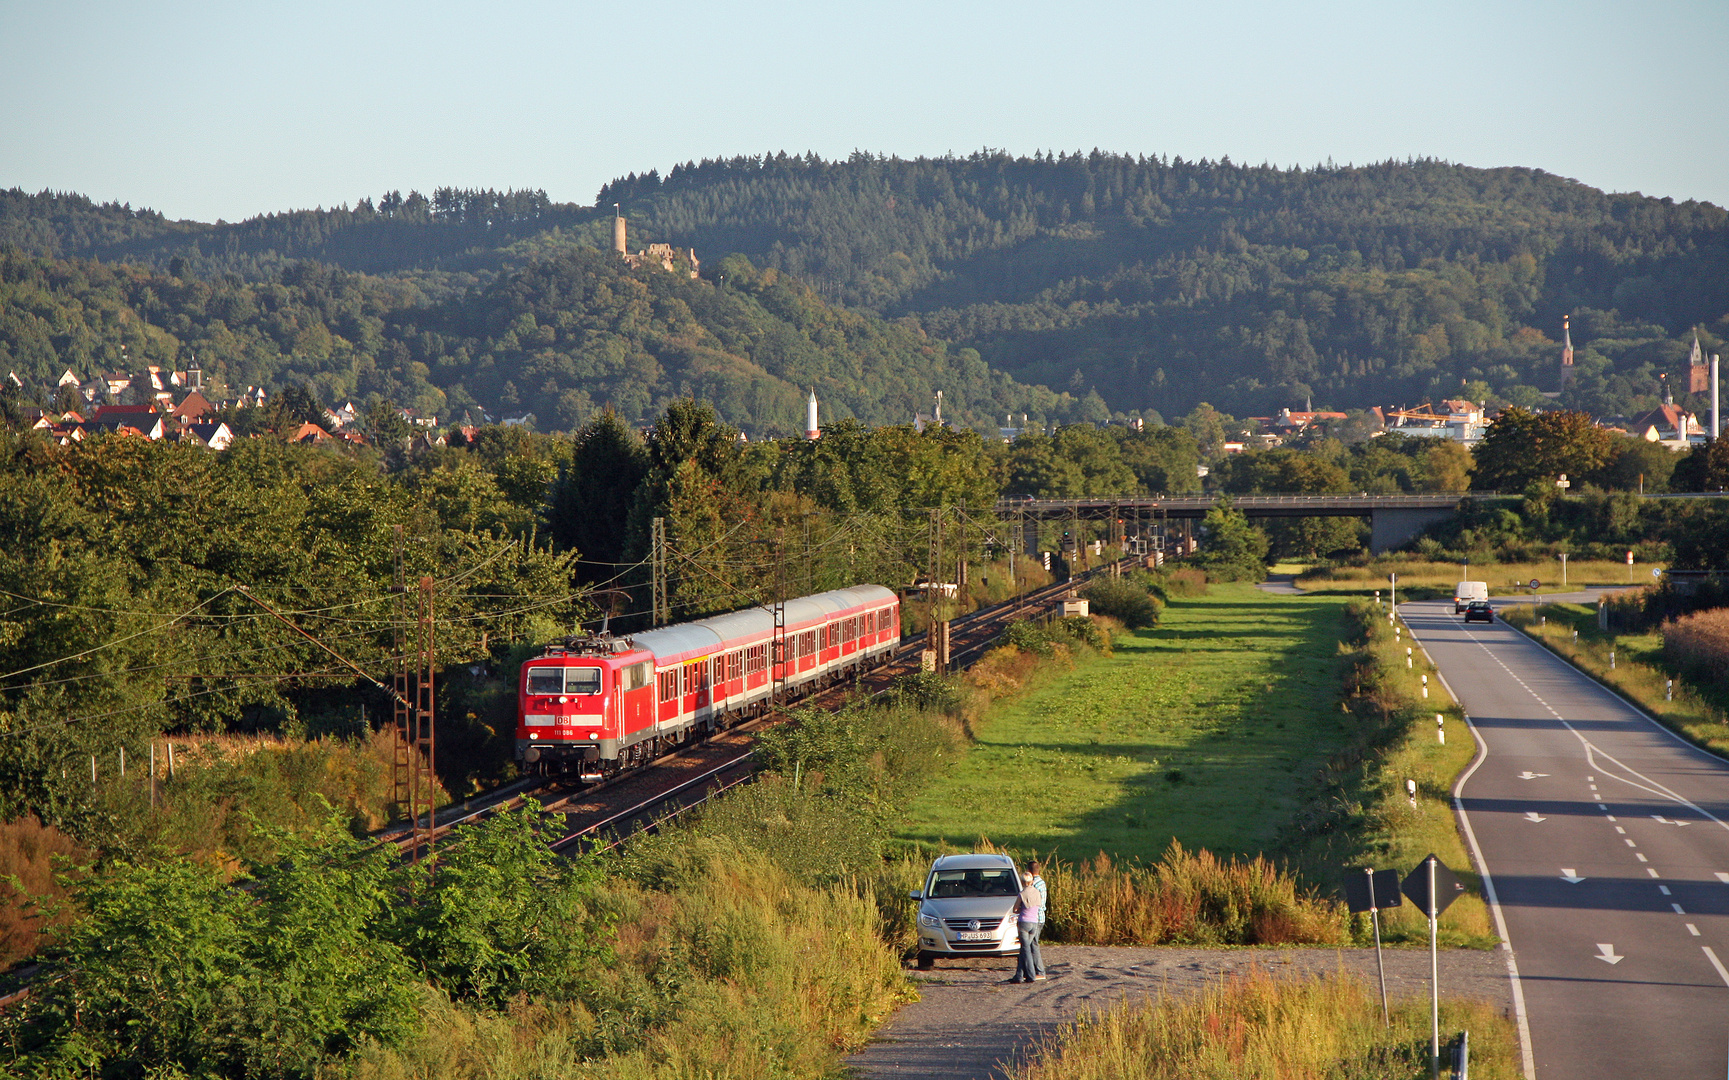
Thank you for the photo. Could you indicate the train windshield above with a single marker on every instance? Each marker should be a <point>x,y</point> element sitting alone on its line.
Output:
<point>575,680</point>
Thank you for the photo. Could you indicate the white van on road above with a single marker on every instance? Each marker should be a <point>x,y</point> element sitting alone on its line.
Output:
<point>1467,591</point>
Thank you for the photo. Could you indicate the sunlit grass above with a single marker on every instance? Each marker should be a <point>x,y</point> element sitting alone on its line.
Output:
<point>1259,1026</point>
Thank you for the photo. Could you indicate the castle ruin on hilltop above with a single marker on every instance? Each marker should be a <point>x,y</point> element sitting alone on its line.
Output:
<point>661,255</point>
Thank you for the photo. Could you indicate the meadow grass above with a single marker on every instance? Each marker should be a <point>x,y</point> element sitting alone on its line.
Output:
<point>1323,1028</point>
<point>1360,814</point>
<point>1427,580</point>
<point>1698,712</point>
<point>1200,731</point>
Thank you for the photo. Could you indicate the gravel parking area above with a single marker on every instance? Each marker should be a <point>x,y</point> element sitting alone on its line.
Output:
<point>970,1020</point>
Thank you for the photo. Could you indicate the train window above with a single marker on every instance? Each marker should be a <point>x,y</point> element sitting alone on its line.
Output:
<point>635,677</point>
<point>546,680</point>
<point>734,665</point>
<point>696,677</point>
<point>668,688</point>
<point>582,680</point>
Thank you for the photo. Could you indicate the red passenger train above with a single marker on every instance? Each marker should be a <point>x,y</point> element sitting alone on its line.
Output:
<point>598,704</point>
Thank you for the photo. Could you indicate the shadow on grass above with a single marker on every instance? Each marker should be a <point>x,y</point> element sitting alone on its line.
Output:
<point>1225,772</point>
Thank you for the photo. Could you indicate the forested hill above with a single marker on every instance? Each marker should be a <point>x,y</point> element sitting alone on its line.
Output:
<point>558,338</point>
<point>1162,283</point>
<point>1158,283</point>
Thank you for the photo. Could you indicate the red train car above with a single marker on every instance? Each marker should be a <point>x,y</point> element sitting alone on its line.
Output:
<point>599,704</point>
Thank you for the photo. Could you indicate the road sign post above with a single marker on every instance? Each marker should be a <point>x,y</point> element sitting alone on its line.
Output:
<point>1433,887</point>
<point>1373,891</point>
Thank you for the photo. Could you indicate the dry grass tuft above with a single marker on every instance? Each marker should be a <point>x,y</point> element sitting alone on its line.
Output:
<point>1699,643</point>
<point>1324,1028</point>
<point>1187,898</point>
<point>31,854</point>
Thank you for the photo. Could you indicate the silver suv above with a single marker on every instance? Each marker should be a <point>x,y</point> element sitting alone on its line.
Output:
<point>967,908</point>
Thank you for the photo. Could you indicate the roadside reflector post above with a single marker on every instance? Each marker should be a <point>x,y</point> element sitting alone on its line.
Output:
<point>1407,657</point>
<point>1668,689</point>
<point>1377,597</point>
<point>1611,666</point>
<point>1425,688</point>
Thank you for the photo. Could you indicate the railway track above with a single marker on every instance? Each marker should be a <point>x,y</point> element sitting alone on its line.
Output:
<point>644,800</point>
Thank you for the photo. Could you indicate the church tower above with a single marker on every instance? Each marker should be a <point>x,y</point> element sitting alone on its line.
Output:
<point>1566,352</point>
<point>1698,372</point>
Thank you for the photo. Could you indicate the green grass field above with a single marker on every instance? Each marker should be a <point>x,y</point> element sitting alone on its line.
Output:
<point>1202,730</point>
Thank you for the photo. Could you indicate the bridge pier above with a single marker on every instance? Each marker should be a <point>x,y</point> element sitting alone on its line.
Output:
<point>1395,526</point>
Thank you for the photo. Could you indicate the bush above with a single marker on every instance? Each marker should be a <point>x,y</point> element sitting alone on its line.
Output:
<point>1057,637</point>
<point>1126,599</point>
<point>1698,644</point>
<point>1184,581</point>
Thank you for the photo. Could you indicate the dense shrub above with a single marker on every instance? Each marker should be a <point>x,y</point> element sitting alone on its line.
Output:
<point>1126,599</point>
<point>1184,581</point>
<point>1699,644</point>
<point>32,857</point>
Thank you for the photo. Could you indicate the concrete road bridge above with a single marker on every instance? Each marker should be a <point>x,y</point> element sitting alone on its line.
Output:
<point>1394,520</point>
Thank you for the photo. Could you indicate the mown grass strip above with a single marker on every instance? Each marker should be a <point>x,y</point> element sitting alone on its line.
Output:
<point>1201,730</point>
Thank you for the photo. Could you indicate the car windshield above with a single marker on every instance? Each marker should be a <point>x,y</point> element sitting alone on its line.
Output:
<point>951,883</point>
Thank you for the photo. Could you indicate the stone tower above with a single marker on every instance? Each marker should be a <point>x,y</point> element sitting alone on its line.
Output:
<point>1566,352</point>
<point>618,244</point>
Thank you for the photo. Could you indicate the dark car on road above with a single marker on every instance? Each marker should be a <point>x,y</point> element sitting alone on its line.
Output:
<point>1479,611</point>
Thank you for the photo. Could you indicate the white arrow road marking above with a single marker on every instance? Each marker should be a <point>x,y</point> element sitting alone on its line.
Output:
<point>1569,876</point>
<point>1529,775</point>
<point>1661,820</point>
<point>1606,953</point>
<point>1532,815</point>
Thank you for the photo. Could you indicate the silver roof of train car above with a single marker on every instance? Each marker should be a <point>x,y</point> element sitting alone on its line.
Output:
<point>706,635</point>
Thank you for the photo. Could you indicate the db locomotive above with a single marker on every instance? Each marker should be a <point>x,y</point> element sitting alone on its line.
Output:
<point>594,705</point>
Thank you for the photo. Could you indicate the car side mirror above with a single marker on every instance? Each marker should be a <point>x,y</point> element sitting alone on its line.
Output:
<point>915,895</point>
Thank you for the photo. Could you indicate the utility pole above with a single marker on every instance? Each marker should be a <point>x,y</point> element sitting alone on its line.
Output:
<point>777,656</point>
<point>425,779</point>
<point>657,562</point>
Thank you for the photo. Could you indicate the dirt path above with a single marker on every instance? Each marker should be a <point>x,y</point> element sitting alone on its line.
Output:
<point>969,1020</point>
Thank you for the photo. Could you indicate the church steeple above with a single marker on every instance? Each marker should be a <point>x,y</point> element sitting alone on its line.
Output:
<point>1566,351</point>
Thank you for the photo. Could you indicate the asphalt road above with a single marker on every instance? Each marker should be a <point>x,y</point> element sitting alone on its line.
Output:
<point>1606,841</point>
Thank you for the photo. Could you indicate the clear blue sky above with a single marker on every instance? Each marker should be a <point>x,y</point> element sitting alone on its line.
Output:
<point>208,110</point>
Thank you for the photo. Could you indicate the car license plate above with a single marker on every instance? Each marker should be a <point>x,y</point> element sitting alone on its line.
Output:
<point>974,935</point>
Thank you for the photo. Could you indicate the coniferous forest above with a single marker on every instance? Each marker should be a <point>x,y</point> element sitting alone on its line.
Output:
<point>1071,287</point>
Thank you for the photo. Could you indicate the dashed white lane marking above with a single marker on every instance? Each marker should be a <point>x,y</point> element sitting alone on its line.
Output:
<point>1651,871</point>
<point>1593,752</point>
<point>1691,929</point>
<point>1640,856</point>
<point>1664,889</point>
<point>1677,908</point>
<point>1629,841</point>
<point>1716,963</point>
<point>1611,817</point>
<point>1724,878</point>
<point>1620,830</point>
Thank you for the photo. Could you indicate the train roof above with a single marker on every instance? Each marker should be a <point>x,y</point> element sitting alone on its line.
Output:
<point>706,635</point>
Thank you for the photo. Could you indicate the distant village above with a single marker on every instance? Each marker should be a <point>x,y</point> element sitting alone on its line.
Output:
<point>156,403</point>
